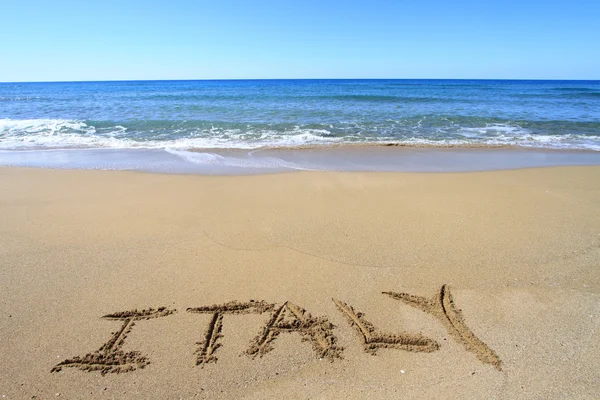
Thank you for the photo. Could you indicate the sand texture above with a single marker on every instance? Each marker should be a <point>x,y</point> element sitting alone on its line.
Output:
<point>301,285</point>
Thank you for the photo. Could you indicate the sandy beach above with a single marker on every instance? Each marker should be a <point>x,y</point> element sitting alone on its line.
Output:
<point>300,285</point>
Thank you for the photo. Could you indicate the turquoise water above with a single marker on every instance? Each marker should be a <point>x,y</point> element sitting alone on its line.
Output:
<point>195,115</point>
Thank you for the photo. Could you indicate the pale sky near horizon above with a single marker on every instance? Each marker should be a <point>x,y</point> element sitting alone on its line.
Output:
<point>72,40</point>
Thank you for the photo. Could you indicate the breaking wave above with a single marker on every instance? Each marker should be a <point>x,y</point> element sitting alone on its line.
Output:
<point>186,135</point>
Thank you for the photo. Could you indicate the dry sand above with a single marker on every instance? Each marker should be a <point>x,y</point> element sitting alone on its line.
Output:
<point>517,251</point>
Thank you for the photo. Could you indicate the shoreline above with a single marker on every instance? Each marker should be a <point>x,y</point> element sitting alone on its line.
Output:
<point>343,158</point>
<point>423,144</point>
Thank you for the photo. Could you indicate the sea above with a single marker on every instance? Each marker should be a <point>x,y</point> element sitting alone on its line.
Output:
<point>262,125</point>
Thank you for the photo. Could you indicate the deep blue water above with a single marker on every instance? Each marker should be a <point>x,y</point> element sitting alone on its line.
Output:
<point>281,113</point>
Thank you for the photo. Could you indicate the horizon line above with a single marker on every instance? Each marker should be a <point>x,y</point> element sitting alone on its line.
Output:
<point>302,79</point>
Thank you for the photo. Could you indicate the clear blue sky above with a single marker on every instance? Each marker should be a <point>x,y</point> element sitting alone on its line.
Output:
<point>48,40</point>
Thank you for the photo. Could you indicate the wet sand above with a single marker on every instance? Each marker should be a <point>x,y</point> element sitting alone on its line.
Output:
<point>339,158</point>
<point>272,286</point>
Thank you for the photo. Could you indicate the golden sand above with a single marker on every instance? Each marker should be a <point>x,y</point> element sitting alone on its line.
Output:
<point>302,285</point>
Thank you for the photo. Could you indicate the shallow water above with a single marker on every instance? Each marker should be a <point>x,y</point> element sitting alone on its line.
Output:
<point>242,162</point>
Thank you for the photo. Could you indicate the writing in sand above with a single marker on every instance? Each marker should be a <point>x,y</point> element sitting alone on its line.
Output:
<point>288,318</point>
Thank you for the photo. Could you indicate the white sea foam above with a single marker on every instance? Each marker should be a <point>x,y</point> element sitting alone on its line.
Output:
<point>61,133</point>
<point>493,128</point>
<point>48,126</point>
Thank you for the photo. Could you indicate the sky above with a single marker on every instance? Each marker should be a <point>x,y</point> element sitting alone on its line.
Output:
<point>65,40</point>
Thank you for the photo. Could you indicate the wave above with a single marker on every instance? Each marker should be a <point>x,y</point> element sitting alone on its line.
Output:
<point>575,89</point>
<point>208,97</point>
<point>212,97</point>
<point>184,135</point>
<point>581,95</point>
<point>58,133</point>
<point>18,98</point>
<point>384,98</point>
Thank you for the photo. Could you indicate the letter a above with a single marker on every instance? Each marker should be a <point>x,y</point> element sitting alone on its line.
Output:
<point>110,357</point>
<point>291,318</point>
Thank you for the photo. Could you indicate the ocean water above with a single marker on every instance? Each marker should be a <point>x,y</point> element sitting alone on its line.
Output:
<point>196,121</point>
<point>188,115</point>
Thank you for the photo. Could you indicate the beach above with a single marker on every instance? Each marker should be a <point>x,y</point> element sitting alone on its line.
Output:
<point>300,284</point>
